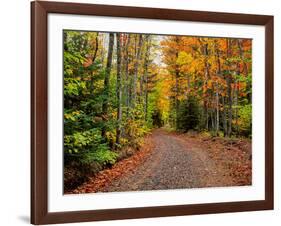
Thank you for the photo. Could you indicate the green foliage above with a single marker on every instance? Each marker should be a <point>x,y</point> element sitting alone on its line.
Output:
<point>75,58</point>
<point>78,141</point>
<point>83,97</point>
<point>245,119</point>
<point>104,156</point>
<point>88,146</point>
<point>73,87</point>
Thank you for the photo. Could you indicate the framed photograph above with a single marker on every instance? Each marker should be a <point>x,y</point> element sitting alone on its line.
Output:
<point>147,112</point>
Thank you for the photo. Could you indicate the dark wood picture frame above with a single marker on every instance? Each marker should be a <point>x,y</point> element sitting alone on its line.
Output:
<point>39,109</point>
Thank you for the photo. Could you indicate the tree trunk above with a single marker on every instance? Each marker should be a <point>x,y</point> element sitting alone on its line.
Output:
<point>207,118</point>
<point>229,91</point>
<point>127,82</point>
<point>213,119</point>
<point>236,91</point>
<point>102,51</point>
<point>224,117</point>
<point>207,76</point>
<point>145,79</point>
<point>65,41</point>
<point>142,80</point>
<point>106,81</point>
<point>177,98</point>
<point>118,90</point>
<point>93,60</point>
<point>217,111</point>
<point>217,90</point>
<point>136,66</point>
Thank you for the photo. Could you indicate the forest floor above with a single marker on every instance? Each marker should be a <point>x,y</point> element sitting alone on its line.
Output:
<point>170,160</point>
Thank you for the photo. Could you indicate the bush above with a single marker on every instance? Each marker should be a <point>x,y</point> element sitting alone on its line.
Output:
<point>85,154</point>
<point>134,127</point>
<point>104,157</point>
<point>245,120</point>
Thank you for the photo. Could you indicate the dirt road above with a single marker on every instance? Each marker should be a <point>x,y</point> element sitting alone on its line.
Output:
<point>173,163</point>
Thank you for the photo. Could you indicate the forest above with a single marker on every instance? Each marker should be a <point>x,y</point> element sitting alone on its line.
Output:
<point>119,87</point>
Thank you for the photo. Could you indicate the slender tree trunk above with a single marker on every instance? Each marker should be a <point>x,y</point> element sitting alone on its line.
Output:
<point>177,75</point>
<point>127,82</point>
<point>207,118</point>
<point>145,76</point>
<point>96,48</point>
<point>217,111</point>
<point>146,101</point>
<point>177,98</point>
<point>229,91</point>
<point>93,61</point>
<point>136,66</point>
<point>118,90</point>
<point>65,41</point>
<point>217,90</point>
<point>224,117</point>
<point>146,53</point>
<point>236,102</point>
<point>106,81</point>
<point>102,52</point>
<point>207,76</point>
<point>213,119</point>
<point>236,91</point>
